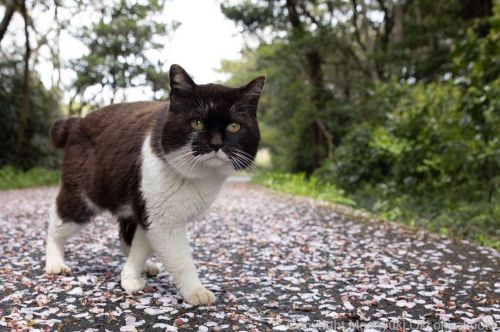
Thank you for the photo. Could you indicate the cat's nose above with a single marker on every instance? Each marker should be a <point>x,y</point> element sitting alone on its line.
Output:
<point>216,147</point>
<point>216,142</point>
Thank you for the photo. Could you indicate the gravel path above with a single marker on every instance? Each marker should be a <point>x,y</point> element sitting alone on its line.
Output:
<point>274,261</point>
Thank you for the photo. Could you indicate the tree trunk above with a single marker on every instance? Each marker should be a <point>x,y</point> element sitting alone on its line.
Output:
<point>10,8</point>
<point>56,53</point>
<point>314,61</point>
<point>476,8</point>
<point>371,58</point>
<point>22,139</point>
<point>397,29</point>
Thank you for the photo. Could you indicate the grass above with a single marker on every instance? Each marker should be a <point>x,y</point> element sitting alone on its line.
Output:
<point>12,177</point>
<point>447,213</point>
<point>298,185</point>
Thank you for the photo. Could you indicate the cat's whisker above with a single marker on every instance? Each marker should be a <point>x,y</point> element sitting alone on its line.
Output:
<point>182,166</point>
<point>190,168</point>
<point>239,163</point>
<point>248,162</point>
<point>179,162</point>
<point>243,163</point>
<point>232,161</point>
<point>236,164</point>
<point>182,153</point>
<point>244,153</point>
<point>196,166</point>
<point>182,159</point>
<point>191,160</point>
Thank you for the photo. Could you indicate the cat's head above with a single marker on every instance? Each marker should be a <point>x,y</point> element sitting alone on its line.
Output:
<point>210,127</point>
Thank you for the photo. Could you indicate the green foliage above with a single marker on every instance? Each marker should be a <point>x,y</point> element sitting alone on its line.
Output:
<point>437,134</point>
<point>120,44</point>
<point>455,212</point>
<point>433,161</point>
<point>43,110</point>
<point>12,177</point>
<point>298,184</point>
<point>412,115</point>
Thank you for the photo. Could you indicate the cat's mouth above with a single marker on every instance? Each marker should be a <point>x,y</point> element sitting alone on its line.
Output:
<point>219,155</point>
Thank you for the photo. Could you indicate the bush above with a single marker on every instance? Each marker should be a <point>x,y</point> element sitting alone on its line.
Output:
<point>434,138</point>
<point>434,160</point>
<point>43,110</point>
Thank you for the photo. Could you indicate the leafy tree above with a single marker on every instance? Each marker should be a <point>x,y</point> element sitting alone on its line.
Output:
<point>120,43</point>
<point>43,108</point>
<point>27,103</point>
<point>336,53</point>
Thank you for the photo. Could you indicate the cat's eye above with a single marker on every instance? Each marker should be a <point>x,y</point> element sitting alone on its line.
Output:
<point>233,127</point>
<point>197,124</point>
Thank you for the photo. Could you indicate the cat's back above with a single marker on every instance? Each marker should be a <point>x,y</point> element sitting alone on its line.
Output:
<point>118,122</point>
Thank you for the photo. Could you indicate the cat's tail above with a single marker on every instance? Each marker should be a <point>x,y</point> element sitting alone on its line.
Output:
<point>60,131</point>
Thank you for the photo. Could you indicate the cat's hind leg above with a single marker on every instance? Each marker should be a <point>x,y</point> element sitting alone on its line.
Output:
<point>127,231</point>
<point>138,252</point>
<point>68,215</point>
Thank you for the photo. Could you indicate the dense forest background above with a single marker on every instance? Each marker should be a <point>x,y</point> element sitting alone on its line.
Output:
<point>394,104</point>
<point>395,101</point>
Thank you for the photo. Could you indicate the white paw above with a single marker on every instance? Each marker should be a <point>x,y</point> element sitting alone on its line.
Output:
<point>151,269</point>
<point>200,296</point>
<point>60,268</point>
<point>133,284</point>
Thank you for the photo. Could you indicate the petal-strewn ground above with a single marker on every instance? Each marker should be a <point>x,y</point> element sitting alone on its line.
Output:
<point>275,263</point>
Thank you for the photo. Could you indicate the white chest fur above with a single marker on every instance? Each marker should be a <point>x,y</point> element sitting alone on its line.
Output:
<point>169,197</point>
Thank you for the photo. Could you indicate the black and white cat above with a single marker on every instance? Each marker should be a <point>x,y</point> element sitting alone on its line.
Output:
<point>155,166</point>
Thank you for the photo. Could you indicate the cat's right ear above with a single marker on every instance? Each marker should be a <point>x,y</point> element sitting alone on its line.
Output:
<point>180,81</point>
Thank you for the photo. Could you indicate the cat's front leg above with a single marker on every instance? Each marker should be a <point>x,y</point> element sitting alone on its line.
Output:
<point>138,253</point>
<point>169,242</point>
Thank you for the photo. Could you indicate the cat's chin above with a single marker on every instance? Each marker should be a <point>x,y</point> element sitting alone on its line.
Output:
<point>213,168</point>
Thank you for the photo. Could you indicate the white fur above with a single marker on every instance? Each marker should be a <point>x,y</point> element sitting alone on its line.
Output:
<point>124,211</point>
<point>58,233</point>
<point>150,268</point>
<point>138,253</point>
<point>91,205</point>
<point>171,200</point>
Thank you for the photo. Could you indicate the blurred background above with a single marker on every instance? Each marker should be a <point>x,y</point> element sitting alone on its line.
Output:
<point>391,106</point>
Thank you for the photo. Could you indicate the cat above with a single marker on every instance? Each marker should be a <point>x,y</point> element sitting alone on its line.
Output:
<point>155,166</point>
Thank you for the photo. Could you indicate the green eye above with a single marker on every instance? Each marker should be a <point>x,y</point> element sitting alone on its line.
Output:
<point>233,127</point>
<point>197,124</point>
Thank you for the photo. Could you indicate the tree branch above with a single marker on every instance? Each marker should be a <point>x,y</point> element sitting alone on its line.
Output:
<point>293,15</point>
<point>309,15</point>
<point>9,12</point>
<point>355,24</point>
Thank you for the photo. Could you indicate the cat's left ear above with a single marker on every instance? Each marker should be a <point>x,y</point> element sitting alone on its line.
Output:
<point>251,93</point>
<point>180,81</point>
<point>254,88</point>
